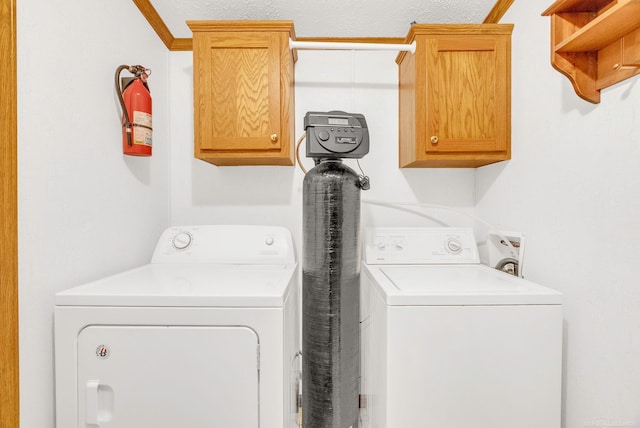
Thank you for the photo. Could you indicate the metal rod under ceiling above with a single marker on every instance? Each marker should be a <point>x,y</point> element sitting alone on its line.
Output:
<point>293,44</point>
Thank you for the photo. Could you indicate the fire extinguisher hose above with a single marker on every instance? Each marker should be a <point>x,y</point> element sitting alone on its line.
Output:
<point>125,114</point>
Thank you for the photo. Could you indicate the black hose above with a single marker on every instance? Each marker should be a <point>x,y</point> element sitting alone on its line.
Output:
<point>125,114</point>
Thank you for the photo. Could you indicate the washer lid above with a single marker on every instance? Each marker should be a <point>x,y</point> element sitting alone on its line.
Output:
<point>457,285</point>
<point>178,285</point>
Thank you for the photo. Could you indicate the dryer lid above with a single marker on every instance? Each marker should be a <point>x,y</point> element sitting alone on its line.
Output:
<point>181,285</point>
<point>457,285</point>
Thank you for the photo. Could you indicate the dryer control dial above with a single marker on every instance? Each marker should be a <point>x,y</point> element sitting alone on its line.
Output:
<point>454,246</point>
<point>182,240</point>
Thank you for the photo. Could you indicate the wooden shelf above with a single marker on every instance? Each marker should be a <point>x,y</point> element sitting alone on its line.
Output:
<point>608,27</point>
<point>595,43</point>
<point>574,6</point>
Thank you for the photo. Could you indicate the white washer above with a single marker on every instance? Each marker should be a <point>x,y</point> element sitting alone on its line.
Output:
<point>204,335</point>
<point>448,342</point>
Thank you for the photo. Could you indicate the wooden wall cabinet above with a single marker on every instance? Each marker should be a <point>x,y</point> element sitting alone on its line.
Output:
<point>243,92</point>
<point>595,43</point>
<point>455,96</point>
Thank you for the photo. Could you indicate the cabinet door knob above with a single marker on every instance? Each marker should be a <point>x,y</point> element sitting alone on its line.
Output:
<point>434,139</point>
<point>274,138</point>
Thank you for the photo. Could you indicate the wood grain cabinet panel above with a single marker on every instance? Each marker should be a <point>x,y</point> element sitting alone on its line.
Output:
<point>455,97</point>
<point>243,92</point>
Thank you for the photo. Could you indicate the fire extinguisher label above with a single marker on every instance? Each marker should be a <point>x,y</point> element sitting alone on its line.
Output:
<point>142,128</point>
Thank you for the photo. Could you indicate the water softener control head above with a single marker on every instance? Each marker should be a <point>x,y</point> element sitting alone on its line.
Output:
<point>336,135</point>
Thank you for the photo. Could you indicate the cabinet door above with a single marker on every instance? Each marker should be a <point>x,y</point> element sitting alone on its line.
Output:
<point>467,105</point>
<point>237,80</point>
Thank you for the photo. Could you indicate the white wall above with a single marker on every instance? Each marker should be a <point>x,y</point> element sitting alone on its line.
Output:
<point>574,187</point>
<point>85,210</point>
<point>363,82</point>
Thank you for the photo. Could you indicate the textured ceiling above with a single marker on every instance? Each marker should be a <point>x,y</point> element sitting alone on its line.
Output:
<point>328,18</point>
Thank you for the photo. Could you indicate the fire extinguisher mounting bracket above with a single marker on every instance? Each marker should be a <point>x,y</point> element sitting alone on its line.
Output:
<point>126,81</point>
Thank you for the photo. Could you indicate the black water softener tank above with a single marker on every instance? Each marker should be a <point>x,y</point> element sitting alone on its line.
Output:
<point>331,271</point>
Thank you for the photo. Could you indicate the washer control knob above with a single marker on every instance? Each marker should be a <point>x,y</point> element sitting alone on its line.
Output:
<point>454,246</point>
<point>269,240</point>
<point>182,240</point>
<point>381,246</point>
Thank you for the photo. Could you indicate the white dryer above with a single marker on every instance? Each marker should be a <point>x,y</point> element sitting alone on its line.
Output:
<point>450,343</point>
<point>206,335</point>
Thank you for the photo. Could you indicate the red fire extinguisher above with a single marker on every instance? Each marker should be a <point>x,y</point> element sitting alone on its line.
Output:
<point>135,101</point>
